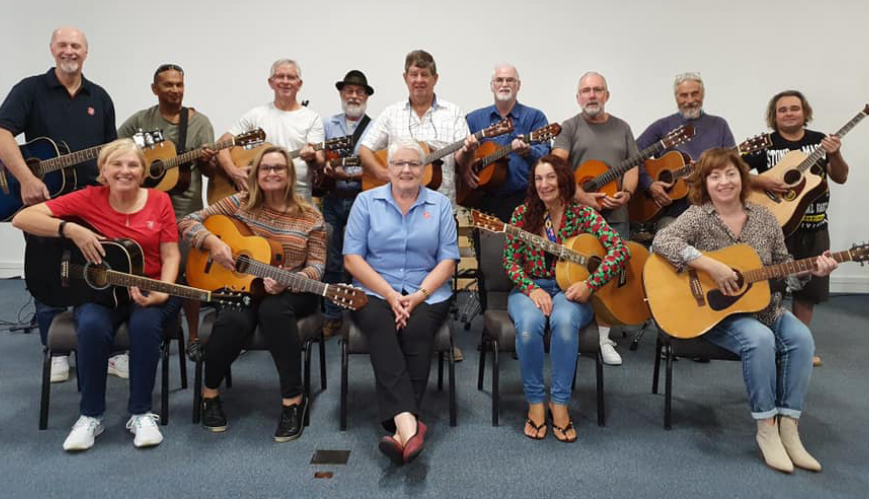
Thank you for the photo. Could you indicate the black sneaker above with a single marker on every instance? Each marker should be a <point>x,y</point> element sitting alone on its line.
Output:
<point>292,422</point>
<point>194,351</point>
<point>213,418</point>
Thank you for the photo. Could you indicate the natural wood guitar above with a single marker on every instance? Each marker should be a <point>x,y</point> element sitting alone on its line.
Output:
<point>256,258</point>
<point>620,301</point>
<point>673,168</point>
<point>221,186</point>
<point>688,304</point>
<point>321,183</point>
<point>804,181</point>
<point>492,168</point>
<point>169,171</point>
<point>432,175</point>
<point>596,176</point>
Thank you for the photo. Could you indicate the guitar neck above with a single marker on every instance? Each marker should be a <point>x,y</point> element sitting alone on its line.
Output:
<point>448,149</point>
<point>61,162</point>
<point>793,267</point>
<point>115,278</point>
<point>614,173</point>
<point>689,168</point>
<point>818,153</point>
<point>197,153</point>
<point>500,153</point>
<point>546,245</point>
<point>293,280</point>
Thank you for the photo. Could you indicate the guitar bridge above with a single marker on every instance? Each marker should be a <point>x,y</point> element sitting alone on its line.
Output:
<point>696,288</point>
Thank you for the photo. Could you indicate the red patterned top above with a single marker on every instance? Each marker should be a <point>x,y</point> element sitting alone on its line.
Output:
<point>524,263</point>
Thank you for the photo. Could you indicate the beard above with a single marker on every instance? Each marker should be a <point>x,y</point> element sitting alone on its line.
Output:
<point>691,113</point>
<point>353,111</point>
<point>69,66</point>
<point>504,96</point>
<point>592,110</point>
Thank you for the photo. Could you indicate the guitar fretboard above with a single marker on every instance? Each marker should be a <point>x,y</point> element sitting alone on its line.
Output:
<point>689,168</point>
<point>819,152</point>
<point>502,152</point>
<point>449,149</point>
<point>123,279</point>
<point>61,162</point>
<point>612,174</point>
<point>196,154</point>
<point>546,245</point>
<point>789,268</point>
<point>336,143</point>
<point>296,282</point>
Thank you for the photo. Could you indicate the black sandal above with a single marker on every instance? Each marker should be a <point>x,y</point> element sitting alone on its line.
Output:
<point>562,430</point>
<point>537,429</point>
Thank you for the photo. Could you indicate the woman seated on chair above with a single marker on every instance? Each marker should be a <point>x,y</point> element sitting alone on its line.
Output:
<point>120,208</point>
<point>551,212</point>
<point>401,248</point>
<point>776,348</point>
<point>270,208</point>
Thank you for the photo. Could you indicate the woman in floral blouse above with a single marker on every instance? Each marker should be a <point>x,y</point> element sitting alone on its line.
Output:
<point>550,211</point>
<point>720,217</point>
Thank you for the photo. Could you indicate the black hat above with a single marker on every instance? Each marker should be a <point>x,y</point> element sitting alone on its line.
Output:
<point>355,77</point>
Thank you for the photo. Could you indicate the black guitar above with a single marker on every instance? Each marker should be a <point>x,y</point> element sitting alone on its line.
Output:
<point>57,274</point>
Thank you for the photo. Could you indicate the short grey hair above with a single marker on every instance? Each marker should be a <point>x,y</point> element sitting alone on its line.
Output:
<point>54,33</point>
<point>283,62</point>
<point>404,143</point>
<point>689,76</point>
<point>505,65</point>
<point>592,73</point>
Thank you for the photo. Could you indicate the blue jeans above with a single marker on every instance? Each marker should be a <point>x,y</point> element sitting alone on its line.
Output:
<point>773,387</point>
<point>44,315</point>
<point>96,326</point>
<point>335,213</point>
<point>565,322</point>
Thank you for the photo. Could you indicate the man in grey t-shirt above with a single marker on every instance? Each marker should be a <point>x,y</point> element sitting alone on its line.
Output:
<point>596,134</point>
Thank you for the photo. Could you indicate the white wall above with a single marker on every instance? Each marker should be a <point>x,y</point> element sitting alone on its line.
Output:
<point>746,51</point>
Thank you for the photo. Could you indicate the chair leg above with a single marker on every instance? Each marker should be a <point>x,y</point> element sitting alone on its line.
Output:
<point>575,368</point>
<point>668,389</point>
<point>655,374</point>
<point>77,377</point>
<point>441,371</point>
<point>307,347</point>
<point>481,363</point>
<point>197,391</point>
<point>182,357</point>
<point>164,379</point>
<point>452,381</point>
<point>344,365</point>
<point>601,407</point>
<point>46,389</point>
<point>322,341</point>
<point>496,393</point>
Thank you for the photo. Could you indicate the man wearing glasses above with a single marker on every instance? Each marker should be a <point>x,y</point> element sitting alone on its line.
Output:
<point>709,131</point>
<point>505,84</point>
<point>422,117</point>
<point>286,122</point>
<point>596,134</point>
<point>62,105</point>
<point>188,129</point>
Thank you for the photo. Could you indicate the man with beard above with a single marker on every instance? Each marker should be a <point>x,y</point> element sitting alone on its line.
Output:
<point>505,85</point>
<point>62,105</point>
<point>787,114</point>
<point>354,91</point>
<point>286,122</point>
<point>168,86</point>
<point>596,134</point>
<point>709,131</point>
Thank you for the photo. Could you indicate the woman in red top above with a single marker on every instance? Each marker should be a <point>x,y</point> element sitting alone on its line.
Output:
<point>120,208</point>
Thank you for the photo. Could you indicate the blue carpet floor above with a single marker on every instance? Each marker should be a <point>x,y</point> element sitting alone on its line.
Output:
<point>709,453</point>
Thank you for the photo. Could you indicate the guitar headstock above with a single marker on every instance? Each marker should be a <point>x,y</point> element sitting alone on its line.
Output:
<point>250,138</point>
<point>484,221</point>
<point>346,296</point>
<point>755,144</point>
<point>548,132</point>
<point>148,138</point>
<point>499,128</point>
<point>859,253</point>
<point>678,136</point>
<point>345,142</point>
<point>233,300</point>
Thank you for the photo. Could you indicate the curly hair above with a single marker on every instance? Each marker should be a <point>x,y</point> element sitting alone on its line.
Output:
<point>713,159</point>
<point>535,209</point>
<point>773,104</point>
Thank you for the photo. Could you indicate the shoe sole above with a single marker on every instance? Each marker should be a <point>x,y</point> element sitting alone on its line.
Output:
<point>59,379</point>
<point>82,449</point>
<point>216,429</point>
<point>147,444</point>
<point>115,372</point>
<point>389,451</point>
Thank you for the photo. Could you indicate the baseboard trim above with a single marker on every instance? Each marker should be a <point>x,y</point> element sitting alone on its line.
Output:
<point>11,269</point>
<point>849,284</point>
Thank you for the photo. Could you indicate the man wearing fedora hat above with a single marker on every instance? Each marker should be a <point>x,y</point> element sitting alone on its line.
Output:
<point>354,91</point>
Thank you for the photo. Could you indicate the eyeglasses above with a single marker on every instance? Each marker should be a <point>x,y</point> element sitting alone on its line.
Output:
<point>588,90</point>
<point>272,168</point>
<point>501,81</point>
<point>168,67</point>
<point>413,165</point>
<point>284,76</point>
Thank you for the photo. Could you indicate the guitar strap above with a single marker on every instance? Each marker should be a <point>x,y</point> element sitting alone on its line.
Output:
<point>360,128</point>
<point>182,131</point>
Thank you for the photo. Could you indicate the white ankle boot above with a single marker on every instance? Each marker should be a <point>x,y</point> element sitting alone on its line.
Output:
<point>790,438</point>
<point>771,447</point>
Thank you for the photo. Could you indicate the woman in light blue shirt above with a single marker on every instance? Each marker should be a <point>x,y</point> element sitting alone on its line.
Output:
<point>400,246</point>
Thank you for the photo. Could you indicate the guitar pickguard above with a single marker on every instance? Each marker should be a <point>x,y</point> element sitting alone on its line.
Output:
<point>719,301</point>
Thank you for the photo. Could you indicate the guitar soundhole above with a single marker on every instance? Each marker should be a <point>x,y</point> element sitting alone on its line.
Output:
<point>593,263</point>
<point>242,263</point>
<point>156,169</point>
<point>665,176</point>
<point>95,275</point>
<point>792,177</point>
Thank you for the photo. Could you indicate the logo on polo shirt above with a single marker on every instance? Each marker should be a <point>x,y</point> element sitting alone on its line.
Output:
<point>149,224</point>
<point>426,214</point>
<point>91,111</point>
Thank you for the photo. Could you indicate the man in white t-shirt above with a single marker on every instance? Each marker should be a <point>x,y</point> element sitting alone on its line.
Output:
<point>286,123</point>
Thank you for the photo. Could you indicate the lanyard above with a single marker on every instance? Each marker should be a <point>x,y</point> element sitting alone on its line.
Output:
<point>550,232</point>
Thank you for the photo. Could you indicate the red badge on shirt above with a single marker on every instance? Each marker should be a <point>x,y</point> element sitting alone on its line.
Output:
<point>91,111</point>
<point>426,214</point>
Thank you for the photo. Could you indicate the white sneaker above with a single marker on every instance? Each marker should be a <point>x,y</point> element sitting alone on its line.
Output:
<point>83,433</point>
<point>144,426</point>
<point>119,365</point>
<point>609,354</point>
<point>59,369</point>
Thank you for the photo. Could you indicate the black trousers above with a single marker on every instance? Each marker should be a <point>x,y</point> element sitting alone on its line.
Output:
<point>276,316</point>
<point>401,359</point>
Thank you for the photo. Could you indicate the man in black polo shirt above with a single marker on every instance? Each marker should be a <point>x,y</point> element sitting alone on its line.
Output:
<point>63,106</point>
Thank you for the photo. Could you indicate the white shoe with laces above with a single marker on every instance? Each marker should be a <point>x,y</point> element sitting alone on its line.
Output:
<point>59,369</point>
<point>609,354</point>
<point>119,365</point>
<point>144,426</point>
<point>83,433</point>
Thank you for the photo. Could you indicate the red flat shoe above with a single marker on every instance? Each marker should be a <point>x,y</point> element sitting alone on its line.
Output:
<point>416,443</point>
<point>392,449</point>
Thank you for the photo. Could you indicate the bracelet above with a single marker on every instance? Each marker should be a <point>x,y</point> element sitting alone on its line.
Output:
<point>424,292</point>
<point>60,227</point>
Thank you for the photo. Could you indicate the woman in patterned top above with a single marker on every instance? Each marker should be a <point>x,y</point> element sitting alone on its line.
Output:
<point>271,209</point>
<point>775,347</point>
<point>549,210</point>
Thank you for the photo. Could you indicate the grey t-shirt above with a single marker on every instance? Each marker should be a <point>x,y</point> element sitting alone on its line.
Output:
<point>611,142</point>
<point>199,133</point>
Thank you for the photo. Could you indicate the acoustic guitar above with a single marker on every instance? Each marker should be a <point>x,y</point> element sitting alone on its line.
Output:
<point>170,172</point>
<point>492,169</point>
<point>804,181</point>
<point>596,176</point>
<point>674,168</point>
<point>620,301</point>
<point>688,304</point>
<point>58,274</point>
<point>432,176</point>
<point>221,186</point>
<point>256,258</point>
<point>322,184</point>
